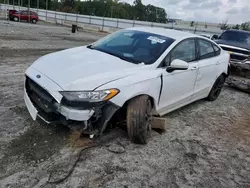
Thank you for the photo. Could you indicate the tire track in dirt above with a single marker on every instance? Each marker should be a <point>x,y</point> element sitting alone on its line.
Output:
<point>7,52</point>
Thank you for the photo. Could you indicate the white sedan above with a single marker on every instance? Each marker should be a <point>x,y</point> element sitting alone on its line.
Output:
<point>133,75</point>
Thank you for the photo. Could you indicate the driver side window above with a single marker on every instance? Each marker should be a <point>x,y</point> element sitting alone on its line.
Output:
<point>24,13</point>
<point>185,51</point>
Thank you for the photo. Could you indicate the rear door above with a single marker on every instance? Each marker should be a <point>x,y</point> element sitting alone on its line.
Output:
<point>208,67</point>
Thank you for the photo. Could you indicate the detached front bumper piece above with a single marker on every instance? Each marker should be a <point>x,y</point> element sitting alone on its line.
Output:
<point>40,103</point>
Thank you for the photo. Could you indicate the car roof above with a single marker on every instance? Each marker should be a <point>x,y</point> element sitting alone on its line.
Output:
<point>171,33</point>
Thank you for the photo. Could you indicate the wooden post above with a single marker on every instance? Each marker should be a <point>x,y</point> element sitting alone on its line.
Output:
<point>102,23</point>
<point>159,123</point>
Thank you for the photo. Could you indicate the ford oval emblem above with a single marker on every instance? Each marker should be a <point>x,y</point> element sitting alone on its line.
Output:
<point>38,76</point>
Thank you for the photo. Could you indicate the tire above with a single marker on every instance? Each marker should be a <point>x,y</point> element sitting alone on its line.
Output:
<point>139,117</point>
<point>33,21</point>
<point>216,89</point>
<point>16,19</point>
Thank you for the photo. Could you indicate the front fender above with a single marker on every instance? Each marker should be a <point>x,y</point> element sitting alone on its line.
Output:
<point>146,83</point>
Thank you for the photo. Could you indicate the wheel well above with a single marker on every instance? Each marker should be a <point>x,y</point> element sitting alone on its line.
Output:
<point>150,98</point>
<point>120,115</point>
<point>225,75</point>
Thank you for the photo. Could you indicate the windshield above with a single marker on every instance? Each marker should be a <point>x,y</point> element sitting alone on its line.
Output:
<point>240,37</point>
<point>134,46</point>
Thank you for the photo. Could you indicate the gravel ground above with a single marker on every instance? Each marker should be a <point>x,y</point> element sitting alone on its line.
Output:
<point>206,143</point>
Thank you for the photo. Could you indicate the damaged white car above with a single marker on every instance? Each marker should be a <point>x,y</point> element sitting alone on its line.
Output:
<point>133,75</point>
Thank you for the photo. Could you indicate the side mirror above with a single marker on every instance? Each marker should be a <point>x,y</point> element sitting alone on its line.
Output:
<point>177,64</point>
<point>215,37</point>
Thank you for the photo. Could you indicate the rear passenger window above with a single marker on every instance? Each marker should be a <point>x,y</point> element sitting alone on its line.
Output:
<point>206,49</point>
<point>216,50</point>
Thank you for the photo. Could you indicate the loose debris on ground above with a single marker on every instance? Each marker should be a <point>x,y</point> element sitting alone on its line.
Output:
<point>240,76</point>
<point>207,144</point>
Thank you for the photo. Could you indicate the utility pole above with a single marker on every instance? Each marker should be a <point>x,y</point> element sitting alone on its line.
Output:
<point>19,10</point>
<point>46,9</point>
<point>8,9</point>
<point>29,10</point>
<point>112,8</point>
<point>37,6</point>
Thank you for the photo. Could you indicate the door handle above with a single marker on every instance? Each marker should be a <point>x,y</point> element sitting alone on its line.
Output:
<point>194,68</point>
<point>217,63</point>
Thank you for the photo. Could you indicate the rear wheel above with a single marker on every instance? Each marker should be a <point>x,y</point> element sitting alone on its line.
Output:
<point>33,21</point>
<point>16,19</point>
<point>216,89</point>
<point>139,117</point>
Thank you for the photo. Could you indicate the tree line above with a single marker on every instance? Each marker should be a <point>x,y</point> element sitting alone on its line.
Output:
<point>103,8</point>
<point>244,26</point>
<point>224,26</point>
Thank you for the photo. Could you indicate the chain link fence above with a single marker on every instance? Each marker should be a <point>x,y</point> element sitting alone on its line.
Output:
<point>104,23</point>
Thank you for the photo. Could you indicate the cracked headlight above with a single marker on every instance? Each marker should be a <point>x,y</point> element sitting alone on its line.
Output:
<point>90,96</point>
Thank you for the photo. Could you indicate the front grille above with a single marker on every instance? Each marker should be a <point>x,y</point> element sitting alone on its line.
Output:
<point>40,98</point>
<point>235,57</point>
<point>236,50</point>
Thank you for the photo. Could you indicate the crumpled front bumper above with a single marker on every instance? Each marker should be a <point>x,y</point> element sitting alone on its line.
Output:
<point>41,102</point>
<point>68,113</point>
<point>44,101</point>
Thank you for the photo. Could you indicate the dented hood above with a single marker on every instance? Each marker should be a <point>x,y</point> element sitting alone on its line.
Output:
<point>83,69</point>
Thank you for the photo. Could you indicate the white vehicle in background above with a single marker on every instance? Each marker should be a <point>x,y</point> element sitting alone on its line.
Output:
<point>133,75</point>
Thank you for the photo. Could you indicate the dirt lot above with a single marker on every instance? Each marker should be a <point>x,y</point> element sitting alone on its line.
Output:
<point>206,144</point>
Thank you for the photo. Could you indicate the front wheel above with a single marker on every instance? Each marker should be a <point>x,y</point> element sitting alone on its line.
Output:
<point>139,117</point>
<point>216,89</point>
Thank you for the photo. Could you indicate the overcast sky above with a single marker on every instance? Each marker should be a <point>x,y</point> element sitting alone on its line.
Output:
<point>235,11</point>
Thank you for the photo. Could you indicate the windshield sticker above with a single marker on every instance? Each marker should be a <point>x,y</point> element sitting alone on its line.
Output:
<point>156,39</point>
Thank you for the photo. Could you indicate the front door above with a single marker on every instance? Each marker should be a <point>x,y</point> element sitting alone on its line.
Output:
<point>24,15</point>
<point>178,86</point>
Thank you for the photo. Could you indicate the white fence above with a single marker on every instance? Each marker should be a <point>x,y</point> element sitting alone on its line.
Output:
<point>110,24</point>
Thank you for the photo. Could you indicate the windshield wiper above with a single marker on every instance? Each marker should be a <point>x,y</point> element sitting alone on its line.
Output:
<point>129,59</point>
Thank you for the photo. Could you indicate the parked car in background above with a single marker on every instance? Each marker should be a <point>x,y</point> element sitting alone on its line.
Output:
<point>10,13</point>
<point>24,15</point>
<point>237,43</point>
<point>132,75</point>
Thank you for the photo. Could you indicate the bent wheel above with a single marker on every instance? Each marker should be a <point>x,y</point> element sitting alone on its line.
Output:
<point>139,118</point>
